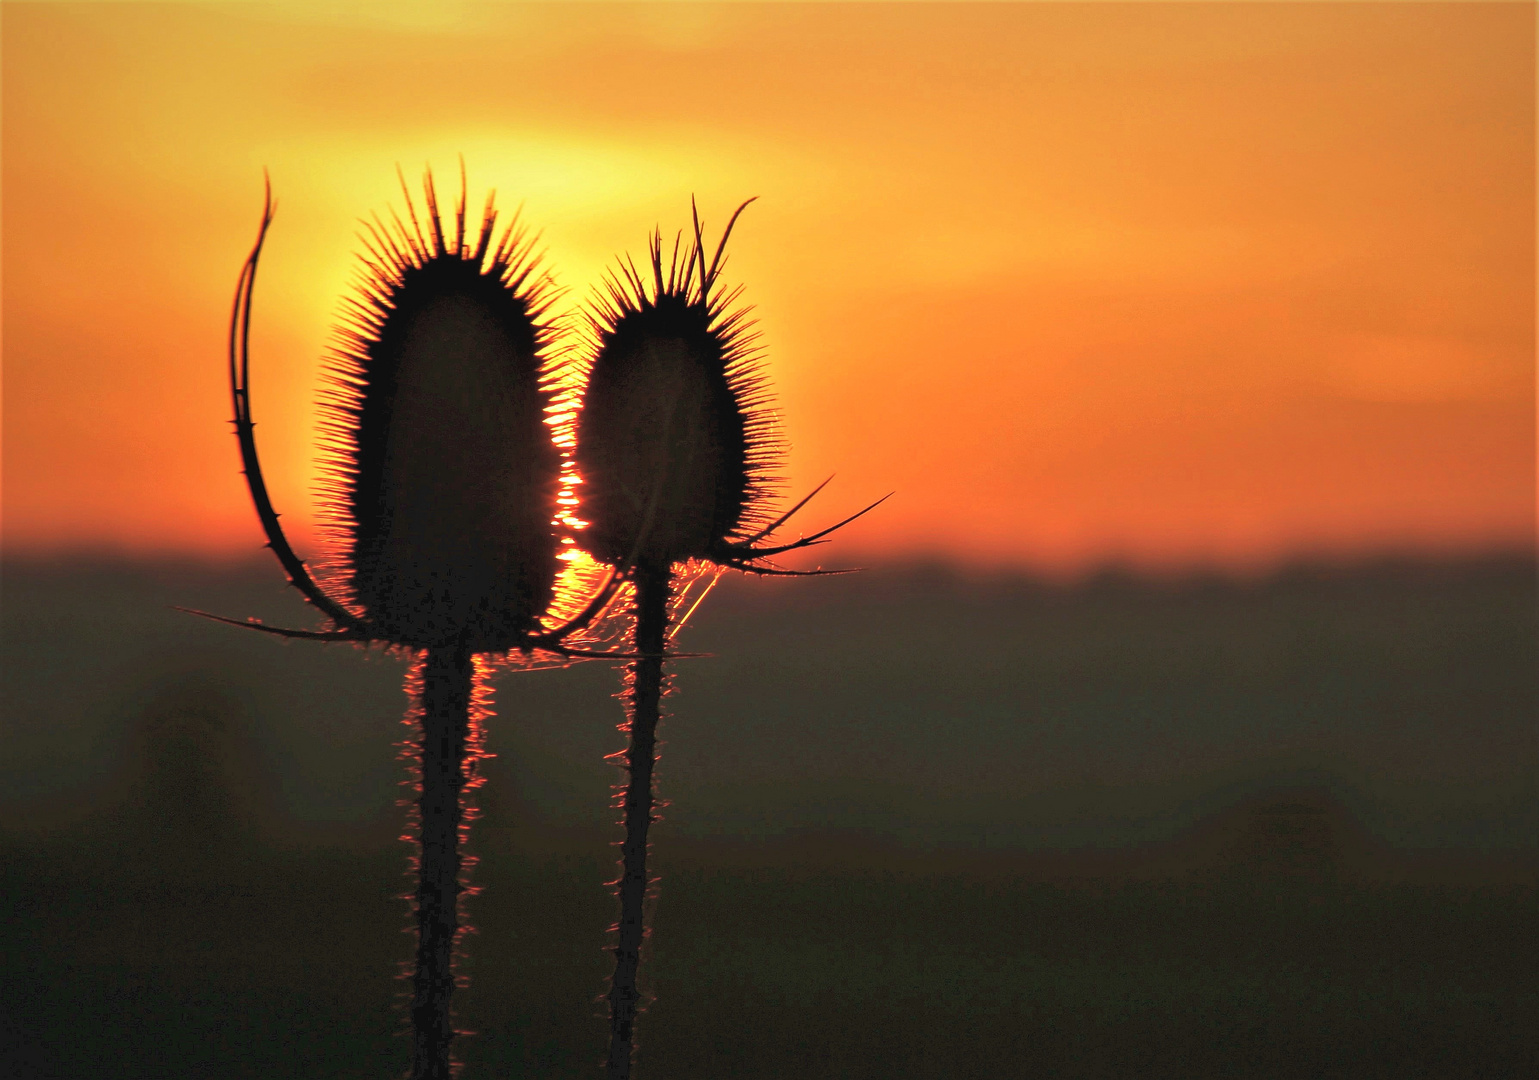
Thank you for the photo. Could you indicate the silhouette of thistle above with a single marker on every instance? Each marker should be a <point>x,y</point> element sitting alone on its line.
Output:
<point>674,448</point>
<point>442,482</point>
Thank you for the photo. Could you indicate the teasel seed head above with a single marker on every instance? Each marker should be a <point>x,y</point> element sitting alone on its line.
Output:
<point>440,473</point>
<point>674,439</point>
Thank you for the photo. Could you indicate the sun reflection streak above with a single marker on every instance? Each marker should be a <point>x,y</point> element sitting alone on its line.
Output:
<point>579,578</point>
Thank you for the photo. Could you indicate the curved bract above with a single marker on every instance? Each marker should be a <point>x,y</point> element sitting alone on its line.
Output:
<point>442,476</point>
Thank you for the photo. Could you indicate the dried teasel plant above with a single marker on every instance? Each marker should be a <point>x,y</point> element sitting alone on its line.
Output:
<point>445,494</point>
<point>675,451</point>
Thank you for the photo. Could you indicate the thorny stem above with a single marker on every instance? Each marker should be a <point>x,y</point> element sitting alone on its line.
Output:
<point>652,586</point>
<point>448,676</point>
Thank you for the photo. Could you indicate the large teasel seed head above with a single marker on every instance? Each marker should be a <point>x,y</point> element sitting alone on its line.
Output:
<point>673,441</point>
<point>442,476</point>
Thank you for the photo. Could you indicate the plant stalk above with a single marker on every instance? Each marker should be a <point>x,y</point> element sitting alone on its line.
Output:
<point>448,675</point>
<point>652,587</point>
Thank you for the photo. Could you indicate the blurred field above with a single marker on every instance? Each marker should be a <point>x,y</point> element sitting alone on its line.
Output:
<point>922,825</point>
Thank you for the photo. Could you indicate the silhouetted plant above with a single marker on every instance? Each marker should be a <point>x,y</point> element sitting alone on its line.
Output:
<point>442,481</point>
<point>674,449</point>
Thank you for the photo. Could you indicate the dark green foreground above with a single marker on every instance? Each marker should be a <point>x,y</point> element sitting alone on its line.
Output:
<point>764,971</point>
<point>1283,829</point>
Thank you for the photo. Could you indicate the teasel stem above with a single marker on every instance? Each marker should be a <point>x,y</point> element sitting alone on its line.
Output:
<point>448,679</point>
<point>652,589</point>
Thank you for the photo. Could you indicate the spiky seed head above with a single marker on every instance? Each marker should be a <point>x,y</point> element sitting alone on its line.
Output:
<point>673,439</point>
<point>443,476</point>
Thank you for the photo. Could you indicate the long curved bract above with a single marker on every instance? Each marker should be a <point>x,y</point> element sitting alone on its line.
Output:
<point>245,433</point>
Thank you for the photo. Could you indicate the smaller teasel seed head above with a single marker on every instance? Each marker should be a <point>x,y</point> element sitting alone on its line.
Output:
<point>673,443</point>
<point>442,476</point>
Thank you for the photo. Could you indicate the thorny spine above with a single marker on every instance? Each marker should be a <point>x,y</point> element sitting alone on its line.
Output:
<point>448,679</point>
<point>652,593</point>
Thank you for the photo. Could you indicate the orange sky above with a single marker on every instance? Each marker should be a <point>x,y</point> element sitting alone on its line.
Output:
<point>1168,284</point>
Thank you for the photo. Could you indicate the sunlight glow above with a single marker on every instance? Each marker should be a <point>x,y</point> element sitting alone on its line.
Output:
<point>1178,282</point>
